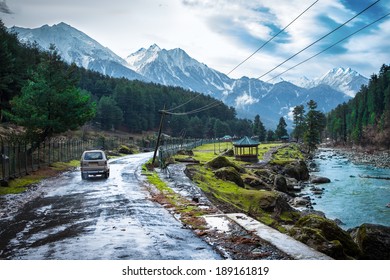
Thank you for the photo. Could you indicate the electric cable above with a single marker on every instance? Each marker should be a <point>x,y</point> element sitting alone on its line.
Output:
<point>338,42</point>
<point>218,102</point>
<point>198,110</point>
<point>262,46</point>
<point>323,37</point>
<point>181,105</point>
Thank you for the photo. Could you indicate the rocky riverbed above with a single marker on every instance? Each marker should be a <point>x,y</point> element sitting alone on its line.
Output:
<point>283,185</point>
<point>369,156</point>
<point>358,195</point>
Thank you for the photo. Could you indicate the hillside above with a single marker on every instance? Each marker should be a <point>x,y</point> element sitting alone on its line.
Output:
<point>175,67</point>
<point>128,105</point>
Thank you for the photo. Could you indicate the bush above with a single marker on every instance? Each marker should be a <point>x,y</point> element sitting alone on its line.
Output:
<point>123,149</point>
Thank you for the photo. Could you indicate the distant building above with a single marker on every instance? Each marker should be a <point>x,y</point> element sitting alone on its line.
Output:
<point>285,138</point>
<point>227,138</point>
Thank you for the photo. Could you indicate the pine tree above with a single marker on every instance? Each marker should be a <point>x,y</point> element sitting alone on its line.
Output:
<point>299,122</point>
<point>9,71</point>
<point>281,130</point>
<point>50,103</point>
<point>315,123</point>
<point>108,114</point>
<point>259,129</point>
<point>255,128</point>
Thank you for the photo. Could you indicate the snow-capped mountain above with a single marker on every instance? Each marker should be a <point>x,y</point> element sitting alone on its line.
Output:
<point>75,46</point>
<point>142,57</point>
<point>273,101</point>
<point>247,95</point>
<point>346,80</point>
<point>176,68</point>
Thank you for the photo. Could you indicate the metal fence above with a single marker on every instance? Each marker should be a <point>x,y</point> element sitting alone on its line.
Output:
<point>19,157</point>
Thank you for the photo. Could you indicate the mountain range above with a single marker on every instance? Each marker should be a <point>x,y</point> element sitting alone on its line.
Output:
<point>175,67</point>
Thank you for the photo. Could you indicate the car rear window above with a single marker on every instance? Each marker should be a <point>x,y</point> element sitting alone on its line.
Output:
<point>93,156</point>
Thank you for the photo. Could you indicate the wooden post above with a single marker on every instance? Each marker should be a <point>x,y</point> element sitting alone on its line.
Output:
<point>159,134</point>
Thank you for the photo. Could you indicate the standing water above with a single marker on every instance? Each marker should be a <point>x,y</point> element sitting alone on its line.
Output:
<point>351,196</point>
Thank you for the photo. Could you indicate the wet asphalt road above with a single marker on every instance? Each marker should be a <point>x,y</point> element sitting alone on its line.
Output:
<point>68,218</point>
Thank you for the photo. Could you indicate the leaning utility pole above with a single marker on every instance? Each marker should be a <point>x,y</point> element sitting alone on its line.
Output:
<point>162,112</point>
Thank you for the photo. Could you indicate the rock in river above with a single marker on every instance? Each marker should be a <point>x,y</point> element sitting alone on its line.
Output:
<point>319,180</point>
<point>373,241</point>
<point>297,170</point>
<point>325,236</point>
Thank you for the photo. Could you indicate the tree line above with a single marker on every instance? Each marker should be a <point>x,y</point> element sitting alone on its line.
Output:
<point>365,119</point>
<point>308,128</point>
<point>47,96</point>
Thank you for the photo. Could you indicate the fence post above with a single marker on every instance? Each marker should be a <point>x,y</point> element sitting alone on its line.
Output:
<point>39,152</point>
<point>25,156</point>
<point>49,151</point>
<point>3,161</point>
<point>32,156</point>
<point>13,161</point>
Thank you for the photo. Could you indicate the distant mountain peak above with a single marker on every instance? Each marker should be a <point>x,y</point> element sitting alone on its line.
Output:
<point>136,61</point>
<point>154,48</point>
<point>342,79</point>
<point>76,47</point>
<point>59,25</point>
<point>341,71</point>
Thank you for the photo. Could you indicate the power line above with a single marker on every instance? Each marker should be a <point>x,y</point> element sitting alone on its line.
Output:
<point>262,46</point>
<point>181,105</point>
<point>357,31</point>
<point>217,103</point>
<point>323,37</point>
<point>198,110</point>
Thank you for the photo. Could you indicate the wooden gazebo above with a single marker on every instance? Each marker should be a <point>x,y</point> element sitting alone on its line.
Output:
<point>246,149</point>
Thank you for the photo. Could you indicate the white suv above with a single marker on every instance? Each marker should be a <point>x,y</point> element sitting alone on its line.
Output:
<point>94,162</point>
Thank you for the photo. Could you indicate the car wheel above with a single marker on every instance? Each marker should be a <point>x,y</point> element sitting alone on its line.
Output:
<point>84,176</point>
<point>107,174</point>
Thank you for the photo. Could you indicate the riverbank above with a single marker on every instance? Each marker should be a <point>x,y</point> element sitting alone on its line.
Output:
<point>275,191</point>
<point>368,156</point>
<point>266,192</point>
<point>357,196</point>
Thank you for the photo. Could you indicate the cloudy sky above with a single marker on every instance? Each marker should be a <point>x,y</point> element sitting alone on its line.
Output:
<point>223,33</point>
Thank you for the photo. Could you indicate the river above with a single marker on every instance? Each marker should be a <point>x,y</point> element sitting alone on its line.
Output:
<point>350,197</point>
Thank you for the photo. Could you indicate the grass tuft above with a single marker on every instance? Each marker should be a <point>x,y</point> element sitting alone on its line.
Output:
<point>19,185</point>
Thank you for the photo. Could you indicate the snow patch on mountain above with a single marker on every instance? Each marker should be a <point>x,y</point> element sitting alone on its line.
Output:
<point>346,80</point>
<point>72,44</point>
<point>176,68</point>
<point>76,47</point>
<point>142,57</point>
<point>244,100</point>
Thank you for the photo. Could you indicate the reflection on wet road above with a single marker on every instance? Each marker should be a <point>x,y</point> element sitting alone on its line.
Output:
<point>97,219</point>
